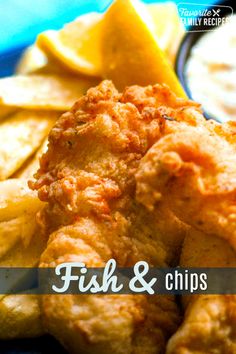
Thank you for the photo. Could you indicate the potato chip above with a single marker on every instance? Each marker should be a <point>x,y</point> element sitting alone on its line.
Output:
<point>25,256</point>
<point>12,231</point>
<point>20,136</point>
<point>16,199</point>
<point>20,317</point>
<point>47,92</point>
<point>31,166</point>
<point>21,243</point>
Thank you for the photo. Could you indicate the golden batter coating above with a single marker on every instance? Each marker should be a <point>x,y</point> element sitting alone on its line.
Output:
<point>87,177</point>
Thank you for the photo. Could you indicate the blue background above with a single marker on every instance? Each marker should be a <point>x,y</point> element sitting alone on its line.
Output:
<point>22,20</point>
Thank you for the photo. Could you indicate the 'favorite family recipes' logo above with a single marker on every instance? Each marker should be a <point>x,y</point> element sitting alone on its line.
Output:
<point>203,17</point>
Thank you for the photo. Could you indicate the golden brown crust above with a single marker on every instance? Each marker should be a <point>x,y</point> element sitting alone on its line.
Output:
<point>87,178</point>
<point>209,325</point>
<point>192,168</point>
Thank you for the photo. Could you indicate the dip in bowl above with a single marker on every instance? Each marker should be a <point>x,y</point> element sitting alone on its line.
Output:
<point>206,66</point>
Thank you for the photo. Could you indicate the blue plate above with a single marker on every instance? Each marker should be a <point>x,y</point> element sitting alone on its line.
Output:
<point>8,61</point>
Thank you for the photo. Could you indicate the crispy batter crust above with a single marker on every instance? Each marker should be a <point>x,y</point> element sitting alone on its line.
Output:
<point>209,325</point>
<point>192,168</point>
<point>87,178</point>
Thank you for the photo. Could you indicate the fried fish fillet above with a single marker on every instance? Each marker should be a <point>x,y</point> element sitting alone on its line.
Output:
<point>192,168</point>
<point>209,326</point>
<point>87,178</point>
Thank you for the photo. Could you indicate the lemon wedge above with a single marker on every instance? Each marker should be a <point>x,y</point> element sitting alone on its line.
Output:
<point>77,45</point>
<point>131,43</point>
<point>130,50</point>
<point>168,27</point>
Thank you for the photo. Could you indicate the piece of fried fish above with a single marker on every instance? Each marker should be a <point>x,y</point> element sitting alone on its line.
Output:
<point>87,178</point>
<point>192,170</point>
<point>209,325</point>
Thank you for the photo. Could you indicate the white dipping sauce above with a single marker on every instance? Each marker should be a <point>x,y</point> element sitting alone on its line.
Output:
<point>211,71</point>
